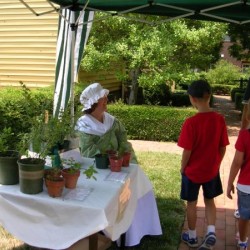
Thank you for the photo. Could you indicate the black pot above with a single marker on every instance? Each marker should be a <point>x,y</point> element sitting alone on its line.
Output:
<point>9,168</point>
<point>31,172</point>
<point>101,161</point>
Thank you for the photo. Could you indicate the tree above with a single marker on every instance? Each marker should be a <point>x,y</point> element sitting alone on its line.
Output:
<point>240,36</point>
<point>174,47</point>
<point>198,43</point>
<point>224,72</point>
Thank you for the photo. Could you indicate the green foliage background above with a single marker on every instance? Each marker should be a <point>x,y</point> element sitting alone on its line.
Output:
<point>153,123</point>
<point>157,123</point>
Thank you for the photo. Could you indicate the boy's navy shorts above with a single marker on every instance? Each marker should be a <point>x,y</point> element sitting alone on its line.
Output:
<point>190,190</point>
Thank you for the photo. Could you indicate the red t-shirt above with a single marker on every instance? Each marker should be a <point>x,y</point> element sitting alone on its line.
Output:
<point>204,134</point>
<point>243,145</point>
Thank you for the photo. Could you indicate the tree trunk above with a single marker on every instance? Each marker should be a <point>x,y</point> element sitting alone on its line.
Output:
<point>134,88</point>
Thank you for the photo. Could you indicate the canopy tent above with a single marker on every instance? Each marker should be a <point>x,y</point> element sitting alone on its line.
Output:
<point>237,12</point>
<point>71,41</point>
<point>73,31</point>
<point>213,10</point>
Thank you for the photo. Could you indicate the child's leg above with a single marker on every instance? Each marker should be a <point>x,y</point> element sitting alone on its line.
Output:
<point>191,214</point>
<point>210,211</point>
<point>243,229</point>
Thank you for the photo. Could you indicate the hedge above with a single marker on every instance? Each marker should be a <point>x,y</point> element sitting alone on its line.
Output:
<point>236,90</point>
<point>220,89</point>
<point>238,101</point>
<point>156,123</point>
<point>153,123</point>
<point>180,99</point>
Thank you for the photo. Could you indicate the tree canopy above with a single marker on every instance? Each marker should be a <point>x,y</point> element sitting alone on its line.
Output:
<point>168,49</point>
<point>240,36</point>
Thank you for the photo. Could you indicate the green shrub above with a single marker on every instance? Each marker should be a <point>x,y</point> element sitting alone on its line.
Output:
<point>238,101</point>
<point>151,122</point>
<point>18,106</point>
<point>183,86</point>
<point>224,72</point>
<point>180,99</point>
<point>219,89</point>
<point>234,91</point>
<point>155,89</point>
<point>157,94</point>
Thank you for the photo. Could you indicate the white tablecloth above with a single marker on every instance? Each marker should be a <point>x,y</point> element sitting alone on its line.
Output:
<point>109,204</point>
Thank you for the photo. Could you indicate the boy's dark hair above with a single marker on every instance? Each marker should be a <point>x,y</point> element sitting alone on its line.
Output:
<point>199,89</point>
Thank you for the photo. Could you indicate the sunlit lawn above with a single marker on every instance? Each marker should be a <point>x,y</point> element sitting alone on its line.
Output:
<point>163,171</point>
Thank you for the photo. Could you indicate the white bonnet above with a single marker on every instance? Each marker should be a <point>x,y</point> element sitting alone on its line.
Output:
<point>92,94</point>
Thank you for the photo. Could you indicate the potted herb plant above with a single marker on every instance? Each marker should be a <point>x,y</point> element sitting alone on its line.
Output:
<point>115,162</point>
<point>8,158</point>
<point>71,172</point>
<point>125,152</point>
<point>54,182</point>
<point>42,140</point>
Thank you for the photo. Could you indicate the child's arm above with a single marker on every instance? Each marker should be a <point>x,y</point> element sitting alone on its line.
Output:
<point>184,160</point>
<point>235,167</point>
<point>222,152</point>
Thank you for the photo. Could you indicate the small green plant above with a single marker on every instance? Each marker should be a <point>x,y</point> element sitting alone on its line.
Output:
<point>46,133</point>
<point>5,136</point>
<point>124,147</point>
<point>90,171</point>
<point>74,166</point>
<point>53,174</point>
<point>6,143</point>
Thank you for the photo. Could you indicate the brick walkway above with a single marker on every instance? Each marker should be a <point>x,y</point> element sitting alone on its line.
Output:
<point>226,225</point>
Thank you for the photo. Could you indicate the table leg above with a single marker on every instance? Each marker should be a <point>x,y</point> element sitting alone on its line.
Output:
<point>93,242</point>
<point>123,240</point>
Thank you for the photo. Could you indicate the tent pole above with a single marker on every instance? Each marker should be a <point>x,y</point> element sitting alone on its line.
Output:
<point>72,112</point>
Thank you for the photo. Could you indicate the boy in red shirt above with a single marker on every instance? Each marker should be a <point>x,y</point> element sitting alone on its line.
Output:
<point>241,165</point>
<point>203,139</point>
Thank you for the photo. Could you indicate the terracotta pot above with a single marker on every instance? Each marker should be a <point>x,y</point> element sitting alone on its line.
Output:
<point>115,163</point>
<point>70,178</point>
<point>126,159</point>
<point>52,173</point>
<point>55,186</point>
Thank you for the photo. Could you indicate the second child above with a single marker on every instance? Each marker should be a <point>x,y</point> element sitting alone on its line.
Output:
<point>241,165</point>
<point>203,139</point>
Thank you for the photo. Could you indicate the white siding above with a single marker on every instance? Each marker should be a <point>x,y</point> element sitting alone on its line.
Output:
<point>27,44</point>
<point>28,47</point>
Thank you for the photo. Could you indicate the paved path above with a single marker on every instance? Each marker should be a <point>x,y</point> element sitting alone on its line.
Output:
<point>226,225</point>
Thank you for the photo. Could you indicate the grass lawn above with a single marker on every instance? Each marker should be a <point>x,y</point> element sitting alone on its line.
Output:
<point>163,171</point>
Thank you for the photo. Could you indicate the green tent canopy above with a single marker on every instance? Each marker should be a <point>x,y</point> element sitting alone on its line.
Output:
<point>213,10</point>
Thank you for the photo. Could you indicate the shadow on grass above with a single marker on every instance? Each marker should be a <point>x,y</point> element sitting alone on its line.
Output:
<point>172,216</point>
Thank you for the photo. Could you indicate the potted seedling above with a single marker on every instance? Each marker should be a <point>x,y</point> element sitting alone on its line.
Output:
<point>54,181</point>
<point>121,158</point>
<point>71,172</point>
<point>8,158</point>
<point>125,152</point>
<point>115,160</point>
